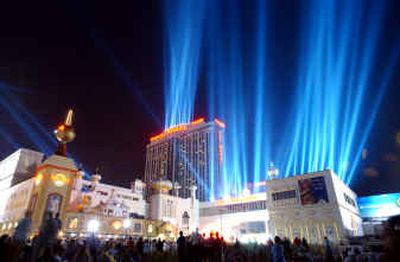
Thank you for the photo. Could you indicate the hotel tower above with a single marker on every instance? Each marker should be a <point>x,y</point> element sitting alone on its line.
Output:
<point>188,154</point>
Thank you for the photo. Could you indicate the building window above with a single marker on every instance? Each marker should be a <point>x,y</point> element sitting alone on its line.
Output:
<point>284,195</point>
<point>137,227</point>
<point>73,223</point>
<point>185,218</point>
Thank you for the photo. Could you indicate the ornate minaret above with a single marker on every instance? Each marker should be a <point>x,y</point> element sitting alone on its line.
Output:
<point>55,179</point>
<point>64,133</point>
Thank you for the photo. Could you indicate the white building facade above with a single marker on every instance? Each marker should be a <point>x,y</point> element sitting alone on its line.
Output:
<point>182,213</point>
<point>16,168</point>
<point>313,206</point>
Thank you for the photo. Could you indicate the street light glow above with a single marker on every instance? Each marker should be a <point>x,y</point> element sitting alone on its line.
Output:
<point>93,225</point>
<point>126,223</point>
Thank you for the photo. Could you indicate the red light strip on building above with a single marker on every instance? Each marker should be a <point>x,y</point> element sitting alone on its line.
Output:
<point>176,129</point>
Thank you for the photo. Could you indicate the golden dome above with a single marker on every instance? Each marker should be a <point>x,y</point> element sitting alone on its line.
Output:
<point>65,133</point>
<point>162,186</point>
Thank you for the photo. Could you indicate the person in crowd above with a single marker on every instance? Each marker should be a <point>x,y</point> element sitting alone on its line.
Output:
<point>140,247</point>
<point>181,242</point>
<point>96,249</point>
<point>160,246</point>
<point>47,236</point>
<point>297,242</point>
<point>146,247</point>
<point>328,253</point>
<point>93,244</point>
<point>305,245</point>
<point>130,243</point>
<point>287,250</point>
<point>392,239</point>
<point>58,224</point>
<point>23,228</point>
<point>196,242</point>
<point>278,251</point>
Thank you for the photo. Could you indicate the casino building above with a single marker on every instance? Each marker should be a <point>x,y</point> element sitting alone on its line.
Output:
<point>187,154</point>
<point>312,206</point>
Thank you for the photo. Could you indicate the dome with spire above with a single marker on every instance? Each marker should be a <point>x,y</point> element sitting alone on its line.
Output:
<point>162,186</point>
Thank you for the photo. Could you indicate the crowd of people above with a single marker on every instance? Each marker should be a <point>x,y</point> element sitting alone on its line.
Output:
<point>48,246</point>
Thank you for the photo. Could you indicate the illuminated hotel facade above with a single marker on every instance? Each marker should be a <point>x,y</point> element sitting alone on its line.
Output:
<point>188,154</point>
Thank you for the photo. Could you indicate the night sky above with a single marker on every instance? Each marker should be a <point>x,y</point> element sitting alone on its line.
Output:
<point>104,59</point>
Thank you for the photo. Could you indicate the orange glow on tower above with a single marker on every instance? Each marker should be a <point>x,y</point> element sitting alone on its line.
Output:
<point>176,129</point>
<point>219,122</point>
<point>198,121</point>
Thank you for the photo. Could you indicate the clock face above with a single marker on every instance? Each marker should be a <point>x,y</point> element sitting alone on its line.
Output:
<point>59,179</point>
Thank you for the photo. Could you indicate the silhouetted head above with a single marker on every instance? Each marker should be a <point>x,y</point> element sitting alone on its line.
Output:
<point>277,239</point>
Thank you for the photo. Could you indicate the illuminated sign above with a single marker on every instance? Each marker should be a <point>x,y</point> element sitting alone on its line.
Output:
<point>384,205</point>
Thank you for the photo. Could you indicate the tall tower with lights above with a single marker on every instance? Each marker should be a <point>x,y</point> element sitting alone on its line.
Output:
<point>188,154</point>
<point>54,178</point>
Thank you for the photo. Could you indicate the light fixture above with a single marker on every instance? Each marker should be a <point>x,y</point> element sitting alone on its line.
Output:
<point>126,223</point>
<point>38,179</point>
<point>272,171</point>
<point>93,225</point>
<point>59,179</point>
<point>116,224</point>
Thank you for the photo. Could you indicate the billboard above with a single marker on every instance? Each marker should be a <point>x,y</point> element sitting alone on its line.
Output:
<point>379,206</point>
<point>313,191</point>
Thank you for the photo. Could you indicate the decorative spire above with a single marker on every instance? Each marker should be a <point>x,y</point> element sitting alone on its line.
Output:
<point>65,133</point>
<point>68,119</point>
